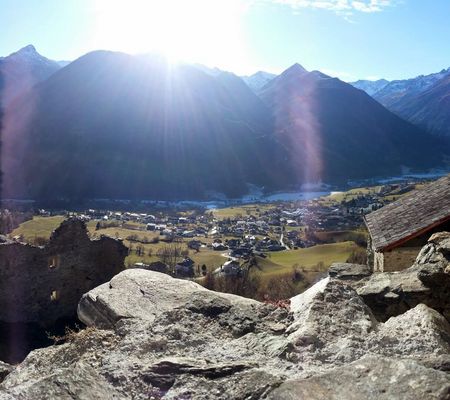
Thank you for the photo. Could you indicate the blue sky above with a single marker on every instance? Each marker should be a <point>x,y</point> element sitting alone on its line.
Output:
<point>351,39</point>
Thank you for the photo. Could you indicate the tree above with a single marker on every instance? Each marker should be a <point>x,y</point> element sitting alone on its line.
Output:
<point>185,253</point>
<point>170,254</point>
<point>210,281</point>
<point>140,250</point>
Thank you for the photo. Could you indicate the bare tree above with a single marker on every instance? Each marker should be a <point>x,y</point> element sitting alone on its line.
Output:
<point>170,254</point>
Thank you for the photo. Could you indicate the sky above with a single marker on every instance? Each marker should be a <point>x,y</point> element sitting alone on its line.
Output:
<point>350,39</point>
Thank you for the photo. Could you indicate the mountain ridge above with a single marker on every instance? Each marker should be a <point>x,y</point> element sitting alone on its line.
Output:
<point>113,125</point>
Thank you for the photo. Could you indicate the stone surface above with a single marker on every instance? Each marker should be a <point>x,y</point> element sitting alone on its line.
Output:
<point>370,378</point>
<point>167,338</point>
<point>5,369</point>
<point>347,271</point>
<point>330,323</point>
<point>135,293</point>
<point>427,281</point>
<point>420,333</point>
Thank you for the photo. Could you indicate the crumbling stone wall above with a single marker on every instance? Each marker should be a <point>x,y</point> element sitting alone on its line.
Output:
<point>44,284</point>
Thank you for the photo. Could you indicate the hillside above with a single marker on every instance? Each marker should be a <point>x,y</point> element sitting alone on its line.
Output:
<point>422,100</point>
<point>21,70</point>
<point>429,109</point>
<point>395,92</point>
<point>118,126</point>
<point>333,131</point>
<point>370,87</point>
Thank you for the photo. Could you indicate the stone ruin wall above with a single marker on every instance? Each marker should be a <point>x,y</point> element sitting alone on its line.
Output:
<point>44,284</point>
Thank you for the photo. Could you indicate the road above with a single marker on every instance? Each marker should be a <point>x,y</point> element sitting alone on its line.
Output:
<point>282,243</point>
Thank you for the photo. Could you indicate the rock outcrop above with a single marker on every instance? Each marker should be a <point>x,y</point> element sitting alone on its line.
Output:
<point>370,378</point>
<point>393,293</point>
<point>153,336</point>
<point>348,271</point>
<point>5,369</point>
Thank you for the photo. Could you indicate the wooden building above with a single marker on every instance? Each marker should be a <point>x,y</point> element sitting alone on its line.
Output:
<point>398,231</point>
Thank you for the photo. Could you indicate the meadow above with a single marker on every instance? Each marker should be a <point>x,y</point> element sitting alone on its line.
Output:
<point>275,263</point>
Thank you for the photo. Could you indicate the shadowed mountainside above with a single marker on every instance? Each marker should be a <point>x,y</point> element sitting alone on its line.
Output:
<point>112,125</point>
<point>119,126</point>
<point>333,131</point>
<point>429,109</point>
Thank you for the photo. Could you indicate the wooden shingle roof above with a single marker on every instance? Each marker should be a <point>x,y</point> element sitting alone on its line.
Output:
<point>411,215</point>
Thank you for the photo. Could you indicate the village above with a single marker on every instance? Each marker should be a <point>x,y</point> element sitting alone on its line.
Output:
<point>273,240</point>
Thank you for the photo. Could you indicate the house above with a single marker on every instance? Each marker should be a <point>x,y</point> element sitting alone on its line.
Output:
<point>156,266</point>
<point>219,246</point>
<point>194,244</point>
<point>241,252</point>
<point>214,233</point>
<point>185,268</point>
<point>233,243</point>
<point>231,268</point>
<point>398,231</point>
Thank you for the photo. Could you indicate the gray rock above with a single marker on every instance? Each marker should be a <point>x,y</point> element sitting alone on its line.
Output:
<point>172,339</point>
<point>330,323</point>
<point>5,369</point>
<point>370,378</point>
<point>393,293</point>
<point>436,251</point>
<point>79,381</point>
<point>427,281</point>
<point>347,271</point>
<point>419,333</point>
<point>136,293</point>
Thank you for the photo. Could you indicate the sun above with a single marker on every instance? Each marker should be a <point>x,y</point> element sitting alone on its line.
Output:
<point>203,31</point>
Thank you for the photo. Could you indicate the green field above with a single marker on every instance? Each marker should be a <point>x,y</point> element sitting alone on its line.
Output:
<point>348,195</point>
<point>37,227</point>
<point>313,260</point>
<point>44,226</point>
<point>283,261</point>
<point>233,212</point>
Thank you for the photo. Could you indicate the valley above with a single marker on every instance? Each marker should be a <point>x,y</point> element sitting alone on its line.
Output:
<point>286,241</point>
<point>224,199</point>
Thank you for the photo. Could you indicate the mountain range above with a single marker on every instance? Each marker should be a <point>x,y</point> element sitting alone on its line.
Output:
<point>21,70</point>
<point>112,125</point>
<point>258,80</point>
<point>423,100</point>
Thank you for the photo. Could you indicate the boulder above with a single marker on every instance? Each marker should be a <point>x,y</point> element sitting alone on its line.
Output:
<point>370,378</point>
<point>347,271</point>
<point>390,294</point>
<point>137,293</point>
<point>5,369</point>
<point>330,323</point>
<point>151,336</point>
<point>436,251</point>
<point>393,293</point>
<point>420,333</point>
<point>80,381</point>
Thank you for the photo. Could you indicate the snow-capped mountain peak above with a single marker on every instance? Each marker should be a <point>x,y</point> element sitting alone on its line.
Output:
<point>258,80</point>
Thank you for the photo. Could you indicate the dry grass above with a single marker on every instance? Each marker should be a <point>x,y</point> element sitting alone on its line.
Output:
<point>38,227</point>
